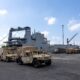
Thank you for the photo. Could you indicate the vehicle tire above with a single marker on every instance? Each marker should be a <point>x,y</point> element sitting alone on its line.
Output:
<point>7,59</point>
<point>36,63</point>
<point>48,62</point>
<point>0,58</point>
<point>19,61</point>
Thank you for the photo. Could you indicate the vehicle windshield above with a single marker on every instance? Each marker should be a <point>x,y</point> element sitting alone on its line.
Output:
<point>38,52</point>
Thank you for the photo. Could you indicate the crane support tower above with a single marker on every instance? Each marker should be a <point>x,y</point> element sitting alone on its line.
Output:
<point>17,40</point>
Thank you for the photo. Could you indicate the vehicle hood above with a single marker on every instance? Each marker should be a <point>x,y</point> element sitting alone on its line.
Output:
<point>42,55</point>
<point>11,55</point>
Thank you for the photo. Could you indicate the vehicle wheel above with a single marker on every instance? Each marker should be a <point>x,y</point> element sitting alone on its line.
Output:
<point>7,59</point>
<point>36,63</point>
<point>19,61</point>
<point>0,58</point>
<point>48,62</point>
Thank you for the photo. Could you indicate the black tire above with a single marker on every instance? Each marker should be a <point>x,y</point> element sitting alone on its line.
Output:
<point>36,63</point>
<point>19,61</point>
<point>7,59</point>
<point>0,58</point>
<point>48,62</point>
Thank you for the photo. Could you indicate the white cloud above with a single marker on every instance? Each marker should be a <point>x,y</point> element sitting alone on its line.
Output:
<point>50,20</point>
<point>3,12</point>
<point>73,25</point>
<point>46,33</point>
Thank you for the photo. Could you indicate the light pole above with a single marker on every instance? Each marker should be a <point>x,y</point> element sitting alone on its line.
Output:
<point>63,34</point>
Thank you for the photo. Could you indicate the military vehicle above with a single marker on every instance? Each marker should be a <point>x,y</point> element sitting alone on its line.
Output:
<point>9,54</point>
<point>72,50</point>
<point>31,55</point>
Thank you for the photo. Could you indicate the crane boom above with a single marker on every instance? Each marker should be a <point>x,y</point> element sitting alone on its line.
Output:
<point>69,40</point>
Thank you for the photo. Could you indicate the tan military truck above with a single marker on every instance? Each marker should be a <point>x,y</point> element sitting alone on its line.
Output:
<point>31,55</point>
<point>9,54</point>
<point>72,50</point>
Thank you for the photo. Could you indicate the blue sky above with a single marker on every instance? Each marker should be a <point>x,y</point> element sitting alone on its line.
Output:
<point>44,16</point>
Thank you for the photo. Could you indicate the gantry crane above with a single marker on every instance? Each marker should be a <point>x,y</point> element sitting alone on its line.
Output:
<point>17,40</point>
<point>69,40</point>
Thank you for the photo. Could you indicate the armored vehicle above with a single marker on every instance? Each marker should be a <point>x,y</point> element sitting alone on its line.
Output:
<point>31,55</point>
<point>9,54</point>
